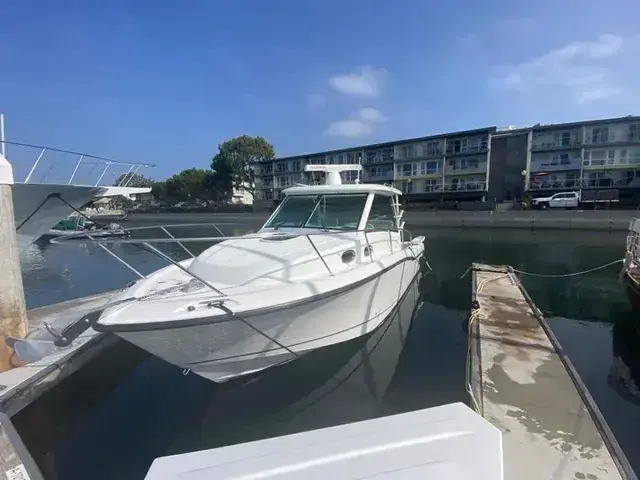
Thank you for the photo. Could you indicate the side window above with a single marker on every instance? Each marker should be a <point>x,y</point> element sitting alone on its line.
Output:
<point>381,216</point>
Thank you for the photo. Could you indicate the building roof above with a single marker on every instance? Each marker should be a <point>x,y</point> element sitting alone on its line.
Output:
<point>344,189</point>
<point>476,131</point>
<point>557,126</point>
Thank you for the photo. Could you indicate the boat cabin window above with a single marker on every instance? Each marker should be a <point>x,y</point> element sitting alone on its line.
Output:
<point>333,212</point>
<point>294,211</point>
<point>382,215</point>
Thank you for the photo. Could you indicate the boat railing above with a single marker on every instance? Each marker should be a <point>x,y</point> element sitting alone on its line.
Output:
<point>40,164</point>
<point>124,236</point>
<point>633,247</point>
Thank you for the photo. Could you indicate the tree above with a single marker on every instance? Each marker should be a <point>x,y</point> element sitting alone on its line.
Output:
<point>234,163</point>
<point>159,190</point>
<point>133,180</point>
<point>189,184</point>
<point>221,179</point>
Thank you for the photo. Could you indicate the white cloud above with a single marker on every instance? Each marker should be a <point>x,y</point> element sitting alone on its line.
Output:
<point>360,123</point>
<point>598,94</point>
<point>364,82</point>
<point>581,68</point>
<point>316,101</point>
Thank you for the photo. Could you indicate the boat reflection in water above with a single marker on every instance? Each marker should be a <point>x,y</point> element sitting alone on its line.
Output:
<point>156,411</point>
<point>624,376</point>
<point>334,385</point>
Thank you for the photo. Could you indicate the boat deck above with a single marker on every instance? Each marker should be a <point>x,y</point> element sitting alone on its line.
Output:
<point>523,384</point>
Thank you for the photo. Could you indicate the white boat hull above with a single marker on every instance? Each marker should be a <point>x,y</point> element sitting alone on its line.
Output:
<point>223,350</point>
<point>39,206</point>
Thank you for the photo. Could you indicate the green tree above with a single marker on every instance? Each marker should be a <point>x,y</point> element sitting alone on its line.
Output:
<point>189,184</point>
<point>133,180</point>
<point>234,163</point>
<point>159,190</point>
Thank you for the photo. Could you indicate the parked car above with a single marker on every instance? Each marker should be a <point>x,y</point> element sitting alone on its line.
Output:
<point>576,199</point>
<point>558,200</point>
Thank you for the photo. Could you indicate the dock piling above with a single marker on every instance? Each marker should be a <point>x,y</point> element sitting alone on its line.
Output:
<point>13,312</point>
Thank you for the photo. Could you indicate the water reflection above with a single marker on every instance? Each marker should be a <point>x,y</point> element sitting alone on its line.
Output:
<point>55,273</point>
<point>171,413</point>
<point>624,376</point>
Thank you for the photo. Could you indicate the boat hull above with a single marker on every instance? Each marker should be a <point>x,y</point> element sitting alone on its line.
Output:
<point>633,294</point>
<point>223,350</point>
<point>38,207</point>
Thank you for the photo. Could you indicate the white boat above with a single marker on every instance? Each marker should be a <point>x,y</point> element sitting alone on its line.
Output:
<point>38,206</point>
<point>328,266</point>
<point>449,442</point>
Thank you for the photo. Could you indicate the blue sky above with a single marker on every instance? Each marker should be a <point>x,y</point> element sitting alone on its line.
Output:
<point>165,82</point>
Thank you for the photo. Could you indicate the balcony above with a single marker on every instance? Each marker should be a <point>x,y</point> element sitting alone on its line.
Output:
<point>466,170</point>
<point>564,184</point>
<point>613,163</point>
<point>384,177</point>
<point>545,166</point>
<point>452,152</point>
<point>465,187</point>
<point>576,183</point>
<point>549,146</point>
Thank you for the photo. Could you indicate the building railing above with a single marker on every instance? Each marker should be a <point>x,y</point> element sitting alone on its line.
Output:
<point>574,164</point>
<point>465,187</point>
<point>38,164</point>
<point>614,163</point>
<point>450,152</point>
<point>556,145</point>
<point>584,183</point>
<point>456,170</point>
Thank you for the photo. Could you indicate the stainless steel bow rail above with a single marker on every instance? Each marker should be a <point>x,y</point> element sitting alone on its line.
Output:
<point>47,159</point>
<point>124,237</point>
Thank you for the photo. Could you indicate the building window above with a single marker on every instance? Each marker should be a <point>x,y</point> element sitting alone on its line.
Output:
<point>407,169</point>
<point>600,135</point>
<point>431,149</point>
<point>634,132</point>
<point>296,165</point>
<point>429,168</point>
<point>432,185</point>
<point>407,186</point>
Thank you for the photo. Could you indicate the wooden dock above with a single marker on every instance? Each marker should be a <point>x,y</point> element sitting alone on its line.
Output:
<point>520,381</point>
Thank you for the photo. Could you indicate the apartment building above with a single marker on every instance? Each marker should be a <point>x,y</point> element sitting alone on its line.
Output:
<point>593,155</point>
<point>428,168</point>
<point>483,164</point>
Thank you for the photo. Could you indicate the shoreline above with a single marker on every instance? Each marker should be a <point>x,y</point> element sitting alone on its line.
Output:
<point>583,220</point>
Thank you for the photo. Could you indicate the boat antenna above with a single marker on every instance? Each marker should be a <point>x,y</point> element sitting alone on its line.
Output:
<point>333,171</point>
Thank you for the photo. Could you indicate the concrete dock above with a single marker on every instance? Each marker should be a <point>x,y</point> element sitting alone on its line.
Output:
<point>520,381</point>
<point>21,386</point>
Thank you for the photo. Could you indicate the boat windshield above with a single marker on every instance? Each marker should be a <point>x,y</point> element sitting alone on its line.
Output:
<point>334,212</point>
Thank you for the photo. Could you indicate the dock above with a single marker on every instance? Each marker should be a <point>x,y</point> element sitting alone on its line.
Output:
<point>23,385</point>
<point>520,381</point>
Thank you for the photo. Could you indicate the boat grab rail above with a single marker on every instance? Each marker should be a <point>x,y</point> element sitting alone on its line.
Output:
<point>73,330</point>
<point>123,236</point>
<point>81,159</point>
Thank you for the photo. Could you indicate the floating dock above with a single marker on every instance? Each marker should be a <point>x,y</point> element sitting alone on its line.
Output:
<point>520,380</point>
<point>21,386</point>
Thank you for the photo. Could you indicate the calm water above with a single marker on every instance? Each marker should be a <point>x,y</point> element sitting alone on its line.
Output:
<point>156,411</point>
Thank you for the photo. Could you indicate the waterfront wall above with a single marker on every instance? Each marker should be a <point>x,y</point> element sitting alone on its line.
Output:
<point>594,220</point>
